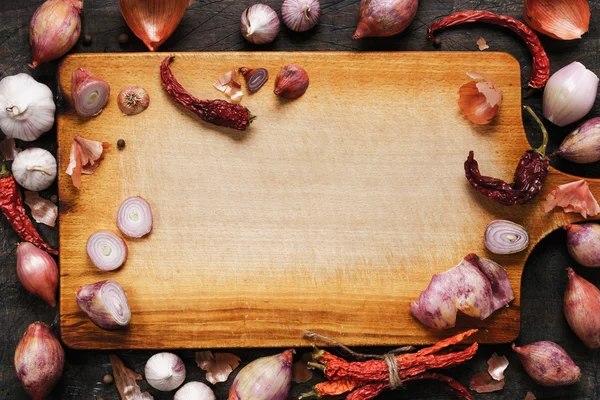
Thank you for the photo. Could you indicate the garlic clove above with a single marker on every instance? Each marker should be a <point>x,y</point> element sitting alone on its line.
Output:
<point>548,364</point>
<point>259,24</point>
<point>582,309</point>
<point>583,243</point>
<point>580,146</point>
<point>165,371</point>
<point>479,99</point>
<point>560,19</point>
<point>37,272</point>
<point>291,82</point>
<point>34,169</point>
<point>153,21</point>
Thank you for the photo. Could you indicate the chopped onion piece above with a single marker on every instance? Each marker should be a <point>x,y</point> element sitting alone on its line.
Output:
<point>134,218</point>
<point>106,250</point>
<point>505,237</point>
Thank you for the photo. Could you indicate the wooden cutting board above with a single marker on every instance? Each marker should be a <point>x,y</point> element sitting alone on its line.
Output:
<point>331,213</point>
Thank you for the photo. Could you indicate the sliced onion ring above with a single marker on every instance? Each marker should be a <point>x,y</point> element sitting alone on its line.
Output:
<point>134,218</point>
<point>105,303</point>
<point>106,250</point>
<point>505,237</point>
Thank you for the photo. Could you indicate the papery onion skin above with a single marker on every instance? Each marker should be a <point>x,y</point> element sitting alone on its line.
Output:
<point>583,243</point>
<point>479,99</point>
<point>39,360</point>
<point>264,378</point>
<point>582,309</point>
<point>153,21</point>
<point>134,217</point>
<point>165,371</point>
<point>291,82</point>
<point>84,83</point>
<point>582,146</point>
<point>54,29</point>
<point>570,94</point>
<point>548,364</point>
<point>379,18</point>
<point>300,15</point>
<point>194,391</point>
<point>34,169</point>
<point>112,243</point>
<point>37,272</point>
<point>105,303</point>
<point>505,237</point>
<point>560,19</point>
<point>259,24</point>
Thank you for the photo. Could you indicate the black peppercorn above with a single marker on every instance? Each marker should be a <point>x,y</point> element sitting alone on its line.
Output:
<point>123,38</point>
<point>120,143</point>
<point>87,40</point>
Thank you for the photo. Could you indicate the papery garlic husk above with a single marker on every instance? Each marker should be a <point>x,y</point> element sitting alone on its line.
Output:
<point>583,243</point>
<point>34,169</point>
<point>90,93</point>
<point>560,19</point>
<point>153,21</point>
<point>548,364</point>
<point>194,391</point>
<point>37,272</point>
<point>54,29</point>
<point>39,361</point>
<point>570,94</point>
<point>165,371</point>
<point>581,145</point>
<point>377,18</point>
<point>264,378</point>
<point>42,211</point>
<point>259,24</point>
<point>105,303</point>
<point>27,107</point>
<point>291,82</point>
<point>479,99</point>
<point>582,309</point>
<point>300,15</point>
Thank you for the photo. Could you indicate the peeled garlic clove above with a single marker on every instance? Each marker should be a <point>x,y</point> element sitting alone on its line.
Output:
<point>165,371</point>
<point>479,99</point>
<point>560,19</point>
<point>259,24</point>
<point>291,82</point>
<point>264,378</point>
<point>548,364</point>
<point>378,18</point>
<point>153,21</point>
<point>54,29</point>
<point>37,272</point>
<point>583,243</point>
<point>581,145</point>
<point>582,309</point>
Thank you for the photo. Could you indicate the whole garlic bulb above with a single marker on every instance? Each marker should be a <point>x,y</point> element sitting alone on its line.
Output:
<point>26,107</point>
<point>165,371</point>
<point>34,169</point>
<point>259,24</point>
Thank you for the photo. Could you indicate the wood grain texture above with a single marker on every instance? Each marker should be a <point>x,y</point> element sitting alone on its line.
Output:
<point>331,213</point>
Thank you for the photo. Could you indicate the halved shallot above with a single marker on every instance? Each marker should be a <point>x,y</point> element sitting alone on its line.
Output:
<point>106,250</point>
<point>105,303</point>
<point>479,99</point>
<point>560,19</point>
<point>505,237</point>
<point>90,93</point>
<point>134,217</point>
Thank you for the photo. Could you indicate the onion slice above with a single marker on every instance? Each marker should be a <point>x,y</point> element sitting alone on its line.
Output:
<point>134,217</point>
<point>505,237</point>
<point>106,250</point>
<point>105,303</point>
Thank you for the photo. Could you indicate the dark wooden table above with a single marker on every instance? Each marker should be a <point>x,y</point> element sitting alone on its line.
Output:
<point>214,26</point>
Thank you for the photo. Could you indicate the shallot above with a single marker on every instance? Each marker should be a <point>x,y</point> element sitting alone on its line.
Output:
<point>106,250</point>
<point>581,145</point>
<point>548,364</point>
<point>259,24</point>
<point>133,100</point>
<point>134,217</point>
<point>582,309</point>
<point>384,17</point>
<point>264,378</point>
<point>43,211</point>
<point>560,19</point>
<point>583,243</point>
<point>90,93</point>
<point>291,82</point>
<point>505,237</point>
<point>165,371</point>
<point>37,272</point>
<point>300,15</point>
<point>34,169</point>
<point>105,303</point>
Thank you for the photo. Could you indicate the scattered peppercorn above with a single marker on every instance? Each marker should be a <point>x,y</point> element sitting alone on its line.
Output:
<point>87,40</point>
<point>123,38</point>
<point>121,144</point>
<point>108,379</point>
<point>54,198</point>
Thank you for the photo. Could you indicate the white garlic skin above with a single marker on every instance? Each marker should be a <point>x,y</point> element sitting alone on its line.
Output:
<point>259,24</point>
<point>194,391</point>
<point>34,169</point>
<point>26,107</point>
<point>165,371</point>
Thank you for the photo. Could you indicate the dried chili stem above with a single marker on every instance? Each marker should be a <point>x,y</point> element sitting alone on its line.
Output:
<point>542,148</point>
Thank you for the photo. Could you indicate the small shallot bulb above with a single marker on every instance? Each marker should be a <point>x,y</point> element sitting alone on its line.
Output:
<point>37,272</point>
<point>378,18</point>
<point>583,243</point>
<point>548,364</point>
<point>54,29</point>
<point>194,391</point>
<point>105,303</point>
<point>264,378</point>
<point>581,145</point>
<point>34,169</point>
<point>133,100</point>
<point>165,371</point>
<point>582,309</point>
<point>291,82</point>
<point>259,24</point>
<point>479,99</point>
<point>39,360</point>
<point>300,15</point>
<point>90,93</point>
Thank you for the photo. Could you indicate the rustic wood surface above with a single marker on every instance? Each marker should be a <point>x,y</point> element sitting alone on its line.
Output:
<point>213,26</point>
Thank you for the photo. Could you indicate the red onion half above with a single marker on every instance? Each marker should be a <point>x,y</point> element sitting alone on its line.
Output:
<point>106,250</point>
<point>105,303</point>
<point>134,218</point>
<point>505,237</point>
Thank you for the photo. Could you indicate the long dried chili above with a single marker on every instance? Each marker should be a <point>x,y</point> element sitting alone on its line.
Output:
<point>216,112</point>
<point>528,180</point>
<point>541,63</point>
<point>11,204</point>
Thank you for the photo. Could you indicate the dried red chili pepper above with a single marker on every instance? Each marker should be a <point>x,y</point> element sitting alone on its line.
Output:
<point>541,63</point>
<point>459,390</point>
<point>528,180</point>
<point>11,204</point>
<point>216,112</point>
<point>331,388</point>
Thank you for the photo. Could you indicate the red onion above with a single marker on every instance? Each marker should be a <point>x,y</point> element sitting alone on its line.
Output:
<point>90,93</point>
<point>384,17</point>
<point>582,309</point>
<point>37,272</point>
<point>264,378</point>
<point>291,82</point>
<point>134,217</point>
<point>105,303</point>
<point>106,250</point>
<point>548,364</point>
<point>583,243</point>
<point>300,15</point>
<point>505,237</point>
<point>39,360</point>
